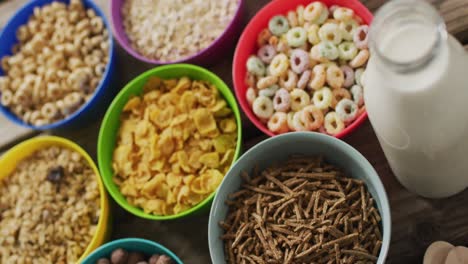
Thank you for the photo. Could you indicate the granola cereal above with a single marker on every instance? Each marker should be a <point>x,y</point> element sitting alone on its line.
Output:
<point>49,208</point>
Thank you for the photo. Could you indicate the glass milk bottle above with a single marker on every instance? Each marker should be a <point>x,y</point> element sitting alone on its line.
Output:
<point>416,94</point>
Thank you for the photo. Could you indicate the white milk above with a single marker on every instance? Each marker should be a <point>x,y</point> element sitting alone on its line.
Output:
<point>419,113</point>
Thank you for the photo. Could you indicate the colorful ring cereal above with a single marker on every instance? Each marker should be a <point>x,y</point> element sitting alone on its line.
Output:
<point>335,77</point>
<point>282,100</point>
<point>269,91</point>
<point>338,95</point>
<point>278,25</point>
<point>328,50</point>
<point>361,37</point>
<point>343,14</point>
<point>290,118</point>
<point>289,81</point>
<point>313,67</point>
<point>300,61</point>
<point>263,107</point>
<point>304,79</point>
<point>348,28</point>
<point>278,123</point>
<point>347,51</point>
<point>313,11</point>
<point>296,37</point>
<point>312,117</point>
<point>312,34</point>
<point>299,99</point>
<point>333,124</point>
<point>322,98</point>
<point>250,95</point>
<point>360,59</point>
<point>358,94</point>
<point>267,81</point>
<point>292,19</point>
<point>279,65</point>
<point>297,123</point>
<point>347,110</point>
<point>266,53</point>
<point>331,32</point>
<point>349,75</point>
<point>319,77</point>
<point>358,76</point>
<point>255,66</point>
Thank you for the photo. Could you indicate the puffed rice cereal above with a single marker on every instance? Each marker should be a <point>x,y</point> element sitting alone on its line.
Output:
<point>170,30</point>
<point>306,75</point>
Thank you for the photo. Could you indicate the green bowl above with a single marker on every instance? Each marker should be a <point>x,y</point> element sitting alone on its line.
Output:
<point>111,123</point>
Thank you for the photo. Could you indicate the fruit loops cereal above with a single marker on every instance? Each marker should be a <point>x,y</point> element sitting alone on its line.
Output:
<point>301,211</point>
<point>175,144</point>
<point>170,30</point>
<point>306,73</point>
<point>59,61</point>
<point>121,256</point>
<point>49,208</point>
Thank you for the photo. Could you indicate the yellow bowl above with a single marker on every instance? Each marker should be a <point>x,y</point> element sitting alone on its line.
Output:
<point>21,151</point>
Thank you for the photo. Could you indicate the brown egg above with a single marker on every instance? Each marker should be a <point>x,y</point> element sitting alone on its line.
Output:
<point>437,252</point>
<point>458,255</point>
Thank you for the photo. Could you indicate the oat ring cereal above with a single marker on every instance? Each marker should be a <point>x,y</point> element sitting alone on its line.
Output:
<point>289,81</point>
<point>317,54</point>
<point>312,117</point>
<point>282,100</point>
<point>58,63</point>
<point>278,123</point>
<point>333,124</point>
<point>346,110</point>
<point>263,107</point>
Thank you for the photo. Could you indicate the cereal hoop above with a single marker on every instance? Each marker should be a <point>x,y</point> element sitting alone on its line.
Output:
<point>9,161</point>
<point>111,123</point>
<point>247,46</point>
<point>103,92</point>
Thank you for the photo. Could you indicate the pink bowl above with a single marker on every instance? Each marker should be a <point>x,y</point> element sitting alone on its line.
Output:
<point>247,46</point>
<point>205,57</point>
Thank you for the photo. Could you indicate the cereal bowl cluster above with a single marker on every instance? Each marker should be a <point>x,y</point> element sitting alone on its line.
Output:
<point>167,141</point>
<point>300,198</point>
<point>54,208</point>
<point>298,66</point>
<point>163,32</point>
<point>56,63</point>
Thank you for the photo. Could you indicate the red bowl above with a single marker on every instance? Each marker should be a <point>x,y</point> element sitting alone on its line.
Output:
<point>247,46</point>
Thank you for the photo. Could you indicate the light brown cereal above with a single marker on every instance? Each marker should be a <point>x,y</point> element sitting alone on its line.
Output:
<point>49,208</point>
<point>175,144</point>
<point>60,51</point>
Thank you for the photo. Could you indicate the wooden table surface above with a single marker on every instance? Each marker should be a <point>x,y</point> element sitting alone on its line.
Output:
<point>416,221</point>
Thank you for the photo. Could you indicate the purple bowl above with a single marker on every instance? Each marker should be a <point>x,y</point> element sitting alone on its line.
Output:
<point>207,56</point>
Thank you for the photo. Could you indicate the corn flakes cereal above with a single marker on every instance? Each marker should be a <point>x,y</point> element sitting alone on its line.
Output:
<point>175,143</point>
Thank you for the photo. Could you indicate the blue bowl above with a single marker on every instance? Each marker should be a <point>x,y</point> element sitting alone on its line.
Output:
<point>102,95</point>
<point>130,244</point>
<point>278,149</point>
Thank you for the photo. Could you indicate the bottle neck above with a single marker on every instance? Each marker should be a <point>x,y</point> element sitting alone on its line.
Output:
<point>407,35</point>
